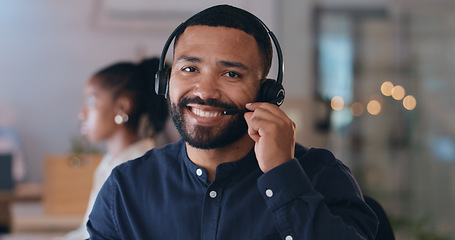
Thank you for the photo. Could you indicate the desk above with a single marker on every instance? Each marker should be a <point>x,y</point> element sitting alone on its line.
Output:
<point>26,214</point>
<point>29,191</point>
<point>30,236</point>
<point>27,218</point>
<point>30,217</point>
<point>21,192</point>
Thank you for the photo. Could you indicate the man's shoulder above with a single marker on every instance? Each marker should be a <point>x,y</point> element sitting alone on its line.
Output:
<point>315,157</point>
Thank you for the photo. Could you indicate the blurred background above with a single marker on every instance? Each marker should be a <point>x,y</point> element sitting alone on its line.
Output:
<point>373,81</point>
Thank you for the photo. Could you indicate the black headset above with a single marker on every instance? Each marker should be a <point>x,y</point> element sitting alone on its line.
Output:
<point>271,91</point>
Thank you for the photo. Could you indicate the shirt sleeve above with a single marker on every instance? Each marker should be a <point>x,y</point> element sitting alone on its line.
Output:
<point>329,206</point>
<point>101,223</point>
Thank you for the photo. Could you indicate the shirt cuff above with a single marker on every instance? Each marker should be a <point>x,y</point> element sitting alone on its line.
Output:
<point>284,183</point>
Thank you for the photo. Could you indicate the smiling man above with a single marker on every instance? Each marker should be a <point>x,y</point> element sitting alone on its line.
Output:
<point>239,176</point>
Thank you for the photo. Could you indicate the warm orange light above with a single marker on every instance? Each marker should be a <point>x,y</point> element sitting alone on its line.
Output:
<point>357,109</point>
<point>337,103</point>
<point>409,102</point>
<point>398,92</point>
<point>386,88</point>
<point>374,107</point>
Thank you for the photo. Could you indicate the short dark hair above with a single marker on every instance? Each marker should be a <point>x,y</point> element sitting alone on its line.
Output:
<point>136,82</point>
<point>233,17</point>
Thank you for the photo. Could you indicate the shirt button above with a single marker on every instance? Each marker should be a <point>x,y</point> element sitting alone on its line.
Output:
<point>199,172</point>
<point>288,237</point>
<point>212,194</point>
<point>269,193</point>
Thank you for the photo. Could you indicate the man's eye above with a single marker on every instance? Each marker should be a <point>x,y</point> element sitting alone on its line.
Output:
<point>232,74</point>
<point>189,69</point>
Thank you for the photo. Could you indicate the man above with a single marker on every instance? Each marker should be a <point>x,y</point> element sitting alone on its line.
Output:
<point>236,176</point>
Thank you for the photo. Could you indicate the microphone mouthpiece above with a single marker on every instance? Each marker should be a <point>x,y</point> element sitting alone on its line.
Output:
<point>235,111</point>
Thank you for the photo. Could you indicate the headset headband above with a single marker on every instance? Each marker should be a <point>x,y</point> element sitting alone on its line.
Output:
<point>161,66</point>
<point>279,78</point>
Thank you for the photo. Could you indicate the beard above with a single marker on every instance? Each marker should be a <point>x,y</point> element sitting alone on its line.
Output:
<point>207,137</point>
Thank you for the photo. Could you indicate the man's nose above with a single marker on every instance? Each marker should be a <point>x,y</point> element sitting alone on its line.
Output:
<point>207,87</point>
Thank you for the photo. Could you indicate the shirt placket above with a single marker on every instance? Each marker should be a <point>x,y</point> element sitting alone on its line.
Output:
<point>211,211</point>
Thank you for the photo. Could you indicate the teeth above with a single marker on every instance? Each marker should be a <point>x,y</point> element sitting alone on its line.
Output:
<point>201,113</point>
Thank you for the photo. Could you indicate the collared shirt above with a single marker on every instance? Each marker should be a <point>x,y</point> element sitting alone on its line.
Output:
<point>164,195</point>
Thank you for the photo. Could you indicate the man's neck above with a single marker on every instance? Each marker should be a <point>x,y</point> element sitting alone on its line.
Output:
<point>210,159</point>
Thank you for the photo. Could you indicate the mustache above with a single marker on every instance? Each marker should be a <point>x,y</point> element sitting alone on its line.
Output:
<point>208,102</point>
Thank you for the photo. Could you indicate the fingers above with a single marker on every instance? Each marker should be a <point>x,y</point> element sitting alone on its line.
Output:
<point>266,119</point>
<point>274,134</point>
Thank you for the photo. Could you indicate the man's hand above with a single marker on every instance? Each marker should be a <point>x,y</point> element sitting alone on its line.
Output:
<point>274,134</point>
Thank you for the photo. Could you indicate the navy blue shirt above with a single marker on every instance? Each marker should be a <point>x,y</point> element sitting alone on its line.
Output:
<point>163,195</point>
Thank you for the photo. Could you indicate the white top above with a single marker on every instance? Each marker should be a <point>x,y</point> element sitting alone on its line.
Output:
<point>102,172</point>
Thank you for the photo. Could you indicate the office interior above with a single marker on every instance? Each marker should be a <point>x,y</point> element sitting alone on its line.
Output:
<point>373,81</point>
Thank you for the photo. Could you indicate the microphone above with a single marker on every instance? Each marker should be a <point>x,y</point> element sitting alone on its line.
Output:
<point>235,111</point>
<point>276,101</point>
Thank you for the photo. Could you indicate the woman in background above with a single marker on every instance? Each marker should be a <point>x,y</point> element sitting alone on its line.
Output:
<point>122,110</point>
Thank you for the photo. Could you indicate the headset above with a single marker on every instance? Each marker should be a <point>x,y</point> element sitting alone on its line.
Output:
<point>271,91</point>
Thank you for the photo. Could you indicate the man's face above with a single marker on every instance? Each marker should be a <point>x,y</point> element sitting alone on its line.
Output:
<point>214,69</point>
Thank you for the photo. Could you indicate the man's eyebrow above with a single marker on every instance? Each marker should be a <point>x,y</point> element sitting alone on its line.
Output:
<point>189,59</point>
<point>224,63</point>
<point>233,64</point>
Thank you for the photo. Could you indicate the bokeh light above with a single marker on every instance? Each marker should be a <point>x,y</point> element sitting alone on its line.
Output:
<point>374,107</point>
<point>398,92</point>
<point>386,88</point>
<point>357,109</point>
<point>409,102</point>
<point>337,103</point>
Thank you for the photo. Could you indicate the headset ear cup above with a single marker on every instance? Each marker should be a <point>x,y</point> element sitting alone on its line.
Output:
<point>168,77</point>
<point>159,77</point>
<point>161,82</point>
<point>272,92</point>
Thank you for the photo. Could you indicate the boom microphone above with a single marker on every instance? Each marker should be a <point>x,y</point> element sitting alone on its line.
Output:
<point>235,111</point>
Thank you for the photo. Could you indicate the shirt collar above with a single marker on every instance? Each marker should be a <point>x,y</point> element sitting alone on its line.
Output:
<point>224,170</point>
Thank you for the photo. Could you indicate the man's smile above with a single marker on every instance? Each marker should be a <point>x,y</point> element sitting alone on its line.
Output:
<point>205,113</point>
